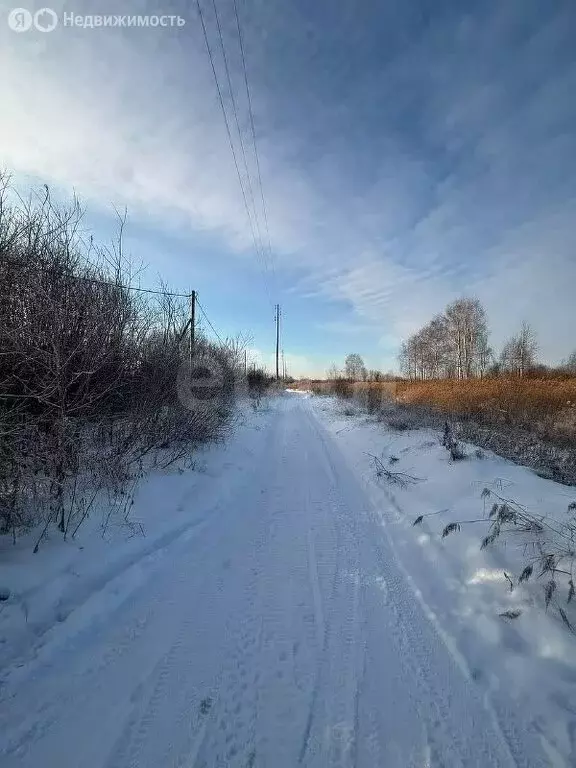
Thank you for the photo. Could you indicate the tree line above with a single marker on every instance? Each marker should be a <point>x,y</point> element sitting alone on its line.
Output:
<point>455,344</point>
<point>355,370</point>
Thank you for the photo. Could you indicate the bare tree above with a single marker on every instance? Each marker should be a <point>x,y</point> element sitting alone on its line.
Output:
<point>452,344</point>
<point>570,363</point>
<point>466,331</point>
<point>333,373</point>
<point>527,348</point>
<point>354,367</point>
<point>405,361</point>
<point>485,354</point>
<point>519,353</point>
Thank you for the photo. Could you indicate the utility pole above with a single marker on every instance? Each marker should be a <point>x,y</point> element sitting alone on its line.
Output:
<point>283,367</point>
<point>277,340</point>
<point>192,327</point>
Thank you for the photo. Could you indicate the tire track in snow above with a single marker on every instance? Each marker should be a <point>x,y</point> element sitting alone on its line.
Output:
<point>404,583</point>
<point>230,738</point>
<point>322,635</point>
<point>84,682</point>
<point>168,681</point>
<point>331,733</point>
<point>315,587</point>
<point>346,515</point>
<point>410,637</point>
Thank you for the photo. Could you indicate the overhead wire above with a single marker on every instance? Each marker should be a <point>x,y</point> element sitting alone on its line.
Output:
<point>110,284</point>
<point>253,130</point>
<point>208,321</point>
<point>227,126</point>
<point>236,119</point>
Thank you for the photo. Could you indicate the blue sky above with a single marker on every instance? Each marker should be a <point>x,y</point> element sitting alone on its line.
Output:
<point>410,153</point>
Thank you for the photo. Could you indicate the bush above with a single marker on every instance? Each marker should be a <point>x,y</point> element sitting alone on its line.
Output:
<point>342,388</point>
<point>89,372</point>
<point>259,382</point>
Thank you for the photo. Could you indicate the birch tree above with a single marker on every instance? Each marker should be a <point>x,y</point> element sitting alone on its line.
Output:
<point>519,352</point>
<point>354,367</point>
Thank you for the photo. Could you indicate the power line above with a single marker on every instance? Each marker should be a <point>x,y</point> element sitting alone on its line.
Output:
<point>144,290</point>
<point>251,114</point>
<point>208,321</point>
<point>193,294</point>
<point>97,281</point>
<point>140,290</point>
<point>226,123</point>
<point>236,119</point>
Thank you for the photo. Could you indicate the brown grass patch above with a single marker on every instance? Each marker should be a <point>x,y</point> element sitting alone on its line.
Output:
<point>544,406</point>
<point>547,405</point>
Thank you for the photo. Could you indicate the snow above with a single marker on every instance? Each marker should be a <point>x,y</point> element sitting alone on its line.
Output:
<point>47,586</point>
<point>282,610</point>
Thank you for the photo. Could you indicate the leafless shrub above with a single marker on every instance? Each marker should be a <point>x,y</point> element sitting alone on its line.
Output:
<point>370,397</point>
<point>342,388</point>
<point>451,444</point>
<point>398,478</point>
<point>259,382</point>
<point>88,371</point>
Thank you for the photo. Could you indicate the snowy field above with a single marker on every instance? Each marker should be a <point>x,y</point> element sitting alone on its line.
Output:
<point>277,607</point>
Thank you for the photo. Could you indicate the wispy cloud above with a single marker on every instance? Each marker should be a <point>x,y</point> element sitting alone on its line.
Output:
<point>407,157</point>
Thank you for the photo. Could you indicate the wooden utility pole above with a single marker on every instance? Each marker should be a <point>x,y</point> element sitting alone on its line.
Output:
<point>192,327</point>
<point>277,341</point>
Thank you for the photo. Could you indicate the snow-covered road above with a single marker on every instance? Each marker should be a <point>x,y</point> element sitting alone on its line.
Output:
<point>279,630</point>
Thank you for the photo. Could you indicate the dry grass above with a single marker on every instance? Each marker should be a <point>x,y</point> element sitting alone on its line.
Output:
<point>381,390</point>
<point>547,406</point>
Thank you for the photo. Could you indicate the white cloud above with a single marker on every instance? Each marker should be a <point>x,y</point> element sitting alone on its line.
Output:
<point>133,119</point>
